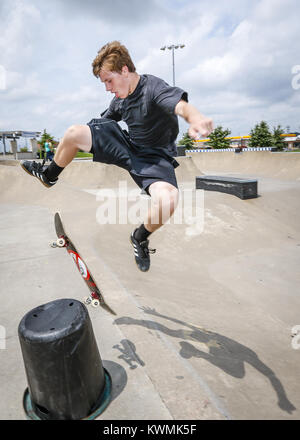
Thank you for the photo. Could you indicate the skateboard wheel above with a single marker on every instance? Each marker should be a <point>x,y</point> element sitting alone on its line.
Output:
<point>95,303</point>
<point>61,242</point>
<point>87,300</point>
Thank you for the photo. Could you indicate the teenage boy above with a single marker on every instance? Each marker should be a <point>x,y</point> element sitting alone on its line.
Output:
<point>149,107</point>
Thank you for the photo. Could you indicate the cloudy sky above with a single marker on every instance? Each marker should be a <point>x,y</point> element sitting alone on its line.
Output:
<point>239,64</point>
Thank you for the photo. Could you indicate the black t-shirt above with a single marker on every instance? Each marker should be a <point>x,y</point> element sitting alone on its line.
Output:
<point>149,113</point>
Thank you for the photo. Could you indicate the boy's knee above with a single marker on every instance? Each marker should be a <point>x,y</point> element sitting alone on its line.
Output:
<point>166,194</point>
<point>78,136</point>
<point>72,133</point>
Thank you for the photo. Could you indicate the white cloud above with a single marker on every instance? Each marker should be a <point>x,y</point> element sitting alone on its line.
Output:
<point>84,94</point>
<point>21,87</point>
<point>16,44</point>
<point>215,71</point>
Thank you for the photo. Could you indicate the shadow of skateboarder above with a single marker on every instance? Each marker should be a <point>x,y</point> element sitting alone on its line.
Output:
<point>223,352</point>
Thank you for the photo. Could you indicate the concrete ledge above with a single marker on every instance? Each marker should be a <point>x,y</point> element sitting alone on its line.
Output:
<point>242,188</point>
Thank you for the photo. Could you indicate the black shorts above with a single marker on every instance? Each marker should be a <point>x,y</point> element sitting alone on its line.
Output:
<point>110,144</point>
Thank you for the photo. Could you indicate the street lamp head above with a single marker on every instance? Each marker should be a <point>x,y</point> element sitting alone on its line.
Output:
<point>173,46</point>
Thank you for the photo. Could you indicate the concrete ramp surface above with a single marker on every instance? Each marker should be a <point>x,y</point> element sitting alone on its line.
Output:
<point>210,332</point>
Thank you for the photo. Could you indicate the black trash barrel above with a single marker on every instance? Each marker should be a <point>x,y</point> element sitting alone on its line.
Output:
<point>63,366</point>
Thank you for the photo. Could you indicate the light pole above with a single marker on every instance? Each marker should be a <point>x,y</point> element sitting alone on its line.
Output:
<point>172,47</point>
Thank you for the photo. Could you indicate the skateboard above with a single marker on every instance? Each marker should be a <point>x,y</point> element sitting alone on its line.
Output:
<point>95,298</point>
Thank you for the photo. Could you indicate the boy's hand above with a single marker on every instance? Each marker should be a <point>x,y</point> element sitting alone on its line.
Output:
<point>200,127</point>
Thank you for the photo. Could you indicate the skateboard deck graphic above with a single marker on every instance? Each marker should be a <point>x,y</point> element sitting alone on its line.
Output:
<point>96,298</point>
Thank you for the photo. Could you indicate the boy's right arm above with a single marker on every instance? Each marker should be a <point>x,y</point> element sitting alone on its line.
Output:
<point>200,125</point>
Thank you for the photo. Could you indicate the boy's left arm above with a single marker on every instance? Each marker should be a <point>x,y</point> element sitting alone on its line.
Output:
<point>200,125</point>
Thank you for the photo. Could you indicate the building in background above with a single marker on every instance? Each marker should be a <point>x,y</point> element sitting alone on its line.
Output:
<point>22,144</point>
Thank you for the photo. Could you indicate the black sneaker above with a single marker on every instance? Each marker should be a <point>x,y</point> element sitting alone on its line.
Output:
<point>141,253</point>
<point>37,170</point>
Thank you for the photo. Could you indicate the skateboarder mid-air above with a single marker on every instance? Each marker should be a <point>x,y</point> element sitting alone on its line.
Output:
<point>149,107</point>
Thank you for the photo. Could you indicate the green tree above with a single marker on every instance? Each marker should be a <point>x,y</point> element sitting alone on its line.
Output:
<point>186,141</point>
<point>261,136</point>
<point>46,137</point>
<point>278,142</point>
<point>217,138</point>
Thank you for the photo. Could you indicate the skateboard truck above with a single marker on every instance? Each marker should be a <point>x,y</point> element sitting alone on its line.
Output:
<point>92,299</point>
<point>60,242</point>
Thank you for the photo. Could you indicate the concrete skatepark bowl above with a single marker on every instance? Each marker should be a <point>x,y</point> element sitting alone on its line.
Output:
<point>207,332</point>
